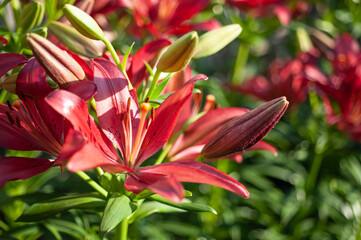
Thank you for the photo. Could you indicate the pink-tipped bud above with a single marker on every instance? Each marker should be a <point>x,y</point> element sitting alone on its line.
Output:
<point>244,131</point>
<point>61,67</point>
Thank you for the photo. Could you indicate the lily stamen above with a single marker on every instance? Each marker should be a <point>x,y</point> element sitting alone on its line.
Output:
<point>145,107</point>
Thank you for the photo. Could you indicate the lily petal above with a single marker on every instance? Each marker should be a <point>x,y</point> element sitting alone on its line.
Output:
<point>166,186</point>
<point>74,109</point>
<point>197,172</point>
<point>14,168</point>
<point>10,60</point>
<point>165,120</point>
<point>206,126</point>
<point>111,102</point>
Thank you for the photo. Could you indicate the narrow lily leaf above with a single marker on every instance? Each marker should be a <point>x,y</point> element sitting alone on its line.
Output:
<point>149,208</point>
<point>40,211</point>
<point>166,115</point>
<point>158,90</point>
<point>197,172</point>
<point>9,61</point>
<point>14,168</point>
<point>213,41</point>
<point>126,55</point>
<point>117,209</point>
<point>188,206</point>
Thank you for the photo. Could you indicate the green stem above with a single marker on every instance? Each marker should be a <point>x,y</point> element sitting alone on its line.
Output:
<point>163,154</point>
<point>153,84</point>
<point>117,60</point>
<point>241,61</point>
<point>3,95</point>
<point>312,177</point>
<point>124,229</point>
<point>92,183</point>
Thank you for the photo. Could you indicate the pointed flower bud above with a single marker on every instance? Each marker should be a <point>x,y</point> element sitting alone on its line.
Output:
<point>76,42</point>
<point>31,16</point>
<point>179,53</point>
<point>82,22</point>
<point>244,131</point>
<point>213,41</point>
<point>61,67</point>
<point>9,83</point>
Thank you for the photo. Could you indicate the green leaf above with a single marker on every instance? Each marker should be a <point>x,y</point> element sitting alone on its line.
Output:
<point>160,87</point>
<point>117,209</point>
<point>126,55</point>
<point>149,208</point>
<point>40,211</point>
<point>188,206</point>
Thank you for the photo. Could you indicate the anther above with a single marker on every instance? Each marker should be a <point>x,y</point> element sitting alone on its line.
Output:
<point>17,104</point>
<point>11,120</point>
<point>153,114</point>
<point>9,106</point>
<point>147,100</point>
<point>210,102</point>
<point>18,122</point>
<point>128,104</point>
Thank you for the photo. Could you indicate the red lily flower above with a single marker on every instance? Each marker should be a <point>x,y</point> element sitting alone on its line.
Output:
<point>163,18</point>
<point>126,126</point>
<point>341,92</point>
<point>30,124</point>
<point>260,8</point>
<point>285,78</point>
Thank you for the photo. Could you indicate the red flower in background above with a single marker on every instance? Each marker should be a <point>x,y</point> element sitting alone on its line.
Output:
<point>285,78</point>
<point>341,92</point>
<point>162,18</point>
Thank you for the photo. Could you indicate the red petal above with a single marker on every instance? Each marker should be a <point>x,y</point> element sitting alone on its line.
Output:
<point>147,54</point>
<point>14,168</point>
<point>75,110</point>
<point>3,41</point>
<point>283,14</point>
<point>206,126</point>
<point>91,156</point>
<point>166,117</point>
<point>166,186</point>
<point>10,60</point>
<point>84,89</point>
<point>111,101</point>
<point>261,145</point>
<point>196,172</point>
<point>13,136</point>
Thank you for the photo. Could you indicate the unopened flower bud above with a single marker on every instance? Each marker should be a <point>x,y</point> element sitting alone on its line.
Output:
<point>31,16</point>
<point>76,42</point>
<point>246,130</point>
<point>9,83</point>
<point>61,67</point>
<point>83,23</point>
<point>213,41</point>
<point>179,53</point>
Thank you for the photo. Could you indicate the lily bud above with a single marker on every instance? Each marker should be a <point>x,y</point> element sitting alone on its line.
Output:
<point>9,83</point>
<point>179,53</point>
<point>246,130</point>
<point>213,41</point>
<point>31,16</point>
<point>76,42</point>
<point>61,67</point>
<point>83,23</point>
